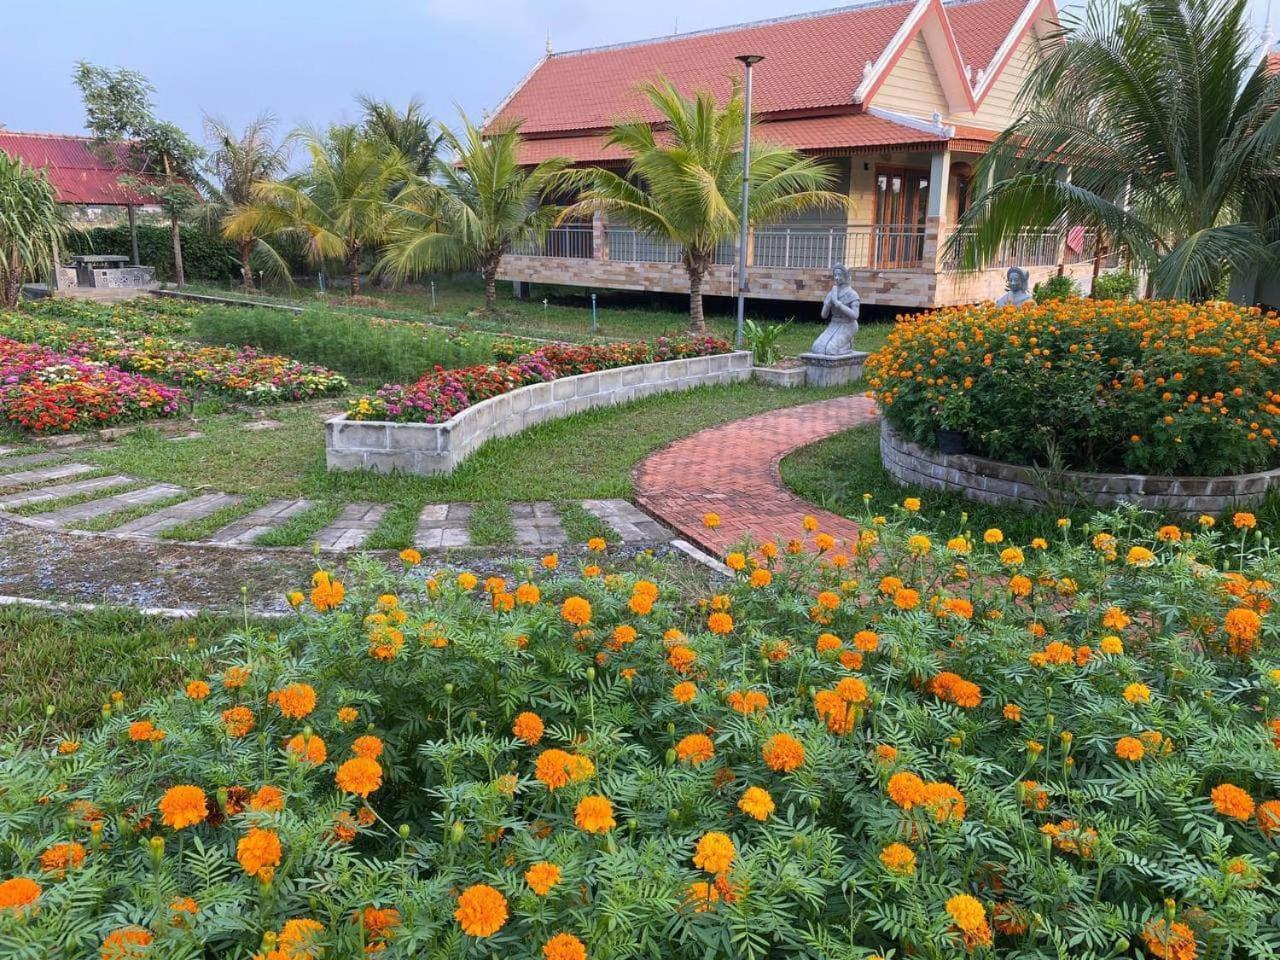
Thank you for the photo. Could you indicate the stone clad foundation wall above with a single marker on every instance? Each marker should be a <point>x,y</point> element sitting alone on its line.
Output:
<point>1006,484</point>
<point>432,448</point>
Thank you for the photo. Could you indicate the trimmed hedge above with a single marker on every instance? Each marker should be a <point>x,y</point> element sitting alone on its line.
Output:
<point>205,255</point>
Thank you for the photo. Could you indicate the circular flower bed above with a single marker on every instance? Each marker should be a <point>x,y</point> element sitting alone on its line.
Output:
<point>928,742</point>
<point>1149,387</point>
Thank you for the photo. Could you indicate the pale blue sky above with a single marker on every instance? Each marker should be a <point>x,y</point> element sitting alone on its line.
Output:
<point>305,59</point>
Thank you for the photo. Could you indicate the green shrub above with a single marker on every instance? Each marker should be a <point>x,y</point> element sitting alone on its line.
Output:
<point>1057,287</point>
<point>1117,285</point>
<point>1159,387</point>
<point>764,340</point>
<point>926,750</point>
<point>205,255</point>
<point>390,351</point>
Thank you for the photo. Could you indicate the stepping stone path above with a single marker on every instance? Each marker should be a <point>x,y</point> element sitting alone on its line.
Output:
<point>48,479</point>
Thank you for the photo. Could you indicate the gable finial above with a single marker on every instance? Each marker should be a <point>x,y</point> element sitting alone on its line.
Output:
<point>549,50</point>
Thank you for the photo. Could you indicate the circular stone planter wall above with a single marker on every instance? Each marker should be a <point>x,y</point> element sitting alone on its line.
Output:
<point>433,448</point>
<point>993,482</point>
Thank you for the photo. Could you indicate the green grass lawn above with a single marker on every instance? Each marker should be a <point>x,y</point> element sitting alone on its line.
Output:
<point>838,471</point>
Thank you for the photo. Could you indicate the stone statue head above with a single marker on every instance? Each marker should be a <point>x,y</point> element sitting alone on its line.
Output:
<point>1017,279</point>
<point>839,274</point>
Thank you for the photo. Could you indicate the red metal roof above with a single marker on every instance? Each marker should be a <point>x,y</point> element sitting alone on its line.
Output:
<point>1273,62</point>
<point>78,172</point>
<point>815,63</point>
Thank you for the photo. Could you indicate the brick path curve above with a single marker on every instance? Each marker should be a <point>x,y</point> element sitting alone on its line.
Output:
<point>732,470</point>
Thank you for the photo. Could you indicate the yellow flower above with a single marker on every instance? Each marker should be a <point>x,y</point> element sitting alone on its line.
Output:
<point>993,535</point>
<point>899,858</point>
<point>756,803</point>
<point>911,504</point>
<point>1137,693</point>
<point>1139,557</point>
<point>714,853</point>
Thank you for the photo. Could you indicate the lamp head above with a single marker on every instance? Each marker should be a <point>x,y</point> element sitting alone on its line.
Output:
<point>750,59</point>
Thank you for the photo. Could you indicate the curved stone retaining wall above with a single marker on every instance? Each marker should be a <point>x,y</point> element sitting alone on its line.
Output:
<point>993,482</point>
<point>431,448</point>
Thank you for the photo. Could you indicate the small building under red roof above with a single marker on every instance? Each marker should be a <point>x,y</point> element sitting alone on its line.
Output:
<point>899,96</point>
<point>81,171</point>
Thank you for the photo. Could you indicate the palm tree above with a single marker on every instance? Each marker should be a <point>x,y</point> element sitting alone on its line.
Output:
<point>476,208</point>
<point>339,206</point>
<point>237,162</point>
<point>410,131</point>
<point>685,180</point>
<point>1167,120</point>
<point>31,224</point>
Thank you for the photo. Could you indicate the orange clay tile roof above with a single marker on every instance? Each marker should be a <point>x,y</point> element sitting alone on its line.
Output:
<point>1273,62</point>
<point>78,172</point>
<point>980,28</point>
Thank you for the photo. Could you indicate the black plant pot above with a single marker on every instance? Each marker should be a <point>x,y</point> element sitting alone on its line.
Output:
<point>952,441</point>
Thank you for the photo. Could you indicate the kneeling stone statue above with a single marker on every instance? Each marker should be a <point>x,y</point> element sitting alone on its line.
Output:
<point>833,360</point>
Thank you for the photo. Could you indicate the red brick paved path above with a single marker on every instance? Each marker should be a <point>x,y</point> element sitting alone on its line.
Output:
<point>732,470</point>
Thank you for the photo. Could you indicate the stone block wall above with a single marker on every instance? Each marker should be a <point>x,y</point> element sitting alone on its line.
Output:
<point>1006,484</point>
<point>433,448</point>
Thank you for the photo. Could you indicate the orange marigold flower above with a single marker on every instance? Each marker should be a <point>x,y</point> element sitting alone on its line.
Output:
<point>564,946</point>
<point>528,594</point>
<point>736,561</point>
<point>685,692</point>
<point>308,748</point>
<point>756,803</point>
<point>1269,818</point>
<point>183,806</point>
<point>1012,713</point>
<point>379,922</point>
<point>1242,624</point>
<point>760,577</point>
<point>360,776</point>
<point>906,599</point>
<point>326,593</point>
<point>528,727</point>
<point>747,701</point>
<point>714,853</point>
<point>61,857</point>
<point>300,938</point>
<point>1169,941</point>
<point>19,895</point>
<point>367,746</point>
<point>481,911</point>
<point>197,690</point>
<point>144,731</point>
<point>576,610</point>
<point>886,753</point>
<point>783,753</point>
<point>1111,645</point>
<point>711,520</point>
<point>594,814</point>
<point>906,790</point>
<point>1244,520</point>
<point>1115,619</point>
<point>296,700</point>
<point>238,720</point>
<point>235,677</point>
<point>696,748</point>
<point>720,623</point>
<point>944,801</point>
<point>899,858</point>
<point>827,642</point>
<point>268,799</point>
<point>348,715</point>
<point>541,877</point>
<point>1130,748</point>
<point>681,657</point>
<point>259,853</point>
<point>126,943</point>
<point>866,640</point>
<point>1230,801</point>
<point>410,556</point>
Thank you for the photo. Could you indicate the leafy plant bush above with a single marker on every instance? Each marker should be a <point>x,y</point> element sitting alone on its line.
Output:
<point>1056,287</point>
<point>1151,387</point>
<point>763,340</point>
<point>928,742</point>
<point>206,256</point>
<point>361,347</point>
<point>1116,285</point>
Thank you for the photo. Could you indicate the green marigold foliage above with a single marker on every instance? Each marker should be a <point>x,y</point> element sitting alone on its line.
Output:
<point>1160,387</point>
<point>926,743</point>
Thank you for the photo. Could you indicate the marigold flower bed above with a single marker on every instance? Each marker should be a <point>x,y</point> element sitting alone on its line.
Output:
<point>440,395</point>
<point>927,743</point>
<point>1148,387</point>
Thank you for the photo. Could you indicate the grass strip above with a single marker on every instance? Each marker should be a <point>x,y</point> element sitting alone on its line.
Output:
<point>299,529</point>
<point>397,529</point>
<point>580,524</point>
<point>491,524</point>
<point>48,506</point>
<point>116,518</point>
<point>205,526</point>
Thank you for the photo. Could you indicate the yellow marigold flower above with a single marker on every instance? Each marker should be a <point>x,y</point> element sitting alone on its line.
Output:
<point>810,523</point>
<point>919,544</point>
<point>1111,645</point>
<point>993,535</point>
<point>259,853</point>
<point>307,748</point>
<point>899,858</point>
<point>528,727</point>
<point>714,853</point>
<point>197,690</point>
<point>959,545</point>
<point>1206,521</point>
<point>1039,543</point>
<point>550,561</point>
<point>481,911</point>
<point>564,946</point>
<point>1137,693</point>
<point>1130,748</point>
<point>1035,747</point>
<point>19,895</point>
<point>711,520</point>
<point>825,542</point>
<point>1011,556</point>
<point>541,877</point>
<point>971,918</point>
<point>576,610</point>
<point>696,748</point>
<point>684,692</point>
<point>360,776</point>
<point>906,790</point>
<point>594,814</point>
<point>597,544</point>
<point>1139,557</point>
<point>756,803</point>
<point>183,806</point>
<point>1230,801</point>
<point>295,701</point>
<point>295,598</point>
<point>783,753</point>
<point>911,504</point>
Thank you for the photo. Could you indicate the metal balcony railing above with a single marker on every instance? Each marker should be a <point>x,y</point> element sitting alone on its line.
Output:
<point>571,241</point>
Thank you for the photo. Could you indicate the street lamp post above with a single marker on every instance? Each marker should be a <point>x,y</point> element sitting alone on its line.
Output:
<point>749,60</point>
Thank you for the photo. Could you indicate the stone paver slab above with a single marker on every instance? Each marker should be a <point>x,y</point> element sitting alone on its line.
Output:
<point>537,524</point>
<point>166,518</point>
<point>352,527</point>
<point>443,525</point>
<point>45,474</point>
<point>60,490</point>
<point>630,523</point>
<point>104,505</point>
<point>30,460</point>
<point>252,525</point>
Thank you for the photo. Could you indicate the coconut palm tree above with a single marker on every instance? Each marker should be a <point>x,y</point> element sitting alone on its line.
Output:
<point>411,131</point>
<point>685,180</point>
<point>338,207</point>
<point>1154,121</point>
<point>31,225</point>
<point>475,208</point>
<point>237,162</point>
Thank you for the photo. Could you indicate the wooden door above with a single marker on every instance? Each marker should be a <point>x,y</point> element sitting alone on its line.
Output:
<point>901,205</point>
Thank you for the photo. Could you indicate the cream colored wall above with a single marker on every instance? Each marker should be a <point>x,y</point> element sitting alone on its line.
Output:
<point>998,109</point>
<point>912,86</point>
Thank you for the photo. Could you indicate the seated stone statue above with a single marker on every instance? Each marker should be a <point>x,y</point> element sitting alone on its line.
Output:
<point>841,308</point>
<point>1016,293</point>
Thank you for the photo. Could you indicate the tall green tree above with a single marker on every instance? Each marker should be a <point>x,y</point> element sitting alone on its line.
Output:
<point>475,208</point>
<point>165,161</point>
<point>340,207</point>
<point>31,226</point>
<point>411,130</point>
<point>1154,121</point>
<point>685,180</point>
<point>236,163</point>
